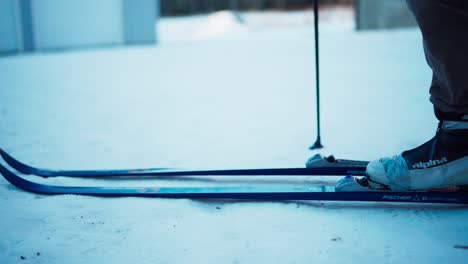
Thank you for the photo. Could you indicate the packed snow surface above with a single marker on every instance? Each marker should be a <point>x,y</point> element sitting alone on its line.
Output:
<point>240,100</point>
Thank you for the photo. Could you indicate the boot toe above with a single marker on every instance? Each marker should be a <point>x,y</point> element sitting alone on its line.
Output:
<point>376,172</point>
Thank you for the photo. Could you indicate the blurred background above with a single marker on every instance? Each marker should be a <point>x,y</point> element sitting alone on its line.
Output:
<point>149,78</point>
<point>32,25</point>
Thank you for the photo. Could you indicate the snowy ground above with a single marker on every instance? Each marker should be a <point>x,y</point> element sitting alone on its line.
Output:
<point>232,97</point>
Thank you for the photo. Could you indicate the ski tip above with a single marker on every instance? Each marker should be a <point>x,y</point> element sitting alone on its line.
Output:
<point>3,154</point>
<point>16,164</point>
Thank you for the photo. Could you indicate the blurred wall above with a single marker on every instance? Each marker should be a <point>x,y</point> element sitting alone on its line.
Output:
<point>8,26</point>
<point>140,21</point>
<point>380,14</point>
<point>29,25</point>
<point>67,24</point>
<point>26,24</point>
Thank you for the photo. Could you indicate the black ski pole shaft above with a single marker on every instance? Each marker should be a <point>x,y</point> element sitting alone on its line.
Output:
<point>318,143</point>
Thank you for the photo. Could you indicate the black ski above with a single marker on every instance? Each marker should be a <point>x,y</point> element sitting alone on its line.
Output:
<point>322,166</point>
<point>325,193</point>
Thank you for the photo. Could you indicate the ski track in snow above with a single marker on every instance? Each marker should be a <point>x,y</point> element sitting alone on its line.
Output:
<point>241,100</point>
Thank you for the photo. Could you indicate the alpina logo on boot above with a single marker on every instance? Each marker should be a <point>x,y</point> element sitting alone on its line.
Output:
<point>431,163</point>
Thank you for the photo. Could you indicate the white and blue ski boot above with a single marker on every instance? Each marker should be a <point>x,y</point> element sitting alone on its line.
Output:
<point>439,163</point>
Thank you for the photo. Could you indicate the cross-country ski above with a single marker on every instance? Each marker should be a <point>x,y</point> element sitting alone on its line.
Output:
<point>321,166</point>
<point>325,193</point>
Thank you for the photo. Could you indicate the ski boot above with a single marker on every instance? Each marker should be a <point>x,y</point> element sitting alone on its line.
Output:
<point>439,163</point>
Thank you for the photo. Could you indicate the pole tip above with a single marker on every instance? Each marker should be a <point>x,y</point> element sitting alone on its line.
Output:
<point>316,145</point>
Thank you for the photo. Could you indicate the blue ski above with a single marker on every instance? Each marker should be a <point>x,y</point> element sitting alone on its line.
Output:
<point>324,166</point>
<point>325,193</point>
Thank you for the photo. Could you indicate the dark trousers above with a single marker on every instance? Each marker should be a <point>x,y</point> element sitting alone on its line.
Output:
<point>444,26</point>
